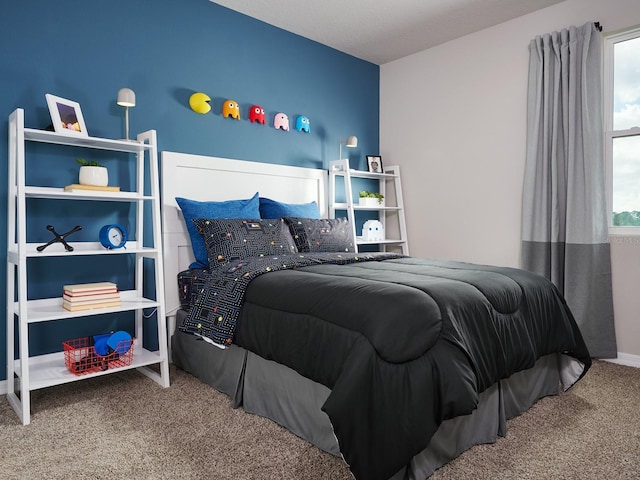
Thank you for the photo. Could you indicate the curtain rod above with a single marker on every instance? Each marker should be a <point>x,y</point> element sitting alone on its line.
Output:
<point>598,26</point>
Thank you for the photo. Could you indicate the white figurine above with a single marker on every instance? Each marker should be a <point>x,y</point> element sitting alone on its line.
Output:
<point>372,231</point>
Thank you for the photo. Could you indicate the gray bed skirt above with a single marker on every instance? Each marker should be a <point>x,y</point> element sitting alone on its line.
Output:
<point>277,392</point>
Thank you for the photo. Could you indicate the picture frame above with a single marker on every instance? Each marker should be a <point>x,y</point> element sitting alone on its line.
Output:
<point>66,116</point>
<point>374,163</point>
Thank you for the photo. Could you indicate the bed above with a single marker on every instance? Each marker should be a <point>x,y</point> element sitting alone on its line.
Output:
<point>393,363</point>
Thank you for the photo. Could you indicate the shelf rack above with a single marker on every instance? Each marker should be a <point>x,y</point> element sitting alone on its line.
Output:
<point>394,205</point>
<point>26,372</point>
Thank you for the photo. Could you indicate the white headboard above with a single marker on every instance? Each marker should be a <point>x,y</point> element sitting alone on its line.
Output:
<point>216,179</point>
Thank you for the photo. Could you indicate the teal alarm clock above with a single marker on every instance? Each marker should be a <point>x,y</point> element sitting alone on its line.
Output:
<point>113,236</point>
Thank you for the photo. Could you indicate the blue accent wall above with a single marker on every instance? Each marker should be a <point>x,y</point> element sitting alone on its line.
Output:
<point>165,51</point>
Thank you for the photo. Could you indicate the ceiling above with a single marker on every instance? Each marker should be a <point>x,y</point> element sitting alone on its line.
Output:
<point>381,31</point>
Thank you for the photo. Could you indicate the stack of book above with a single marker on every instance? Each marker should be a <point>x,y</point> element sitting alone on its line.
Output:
<point>86,296</point>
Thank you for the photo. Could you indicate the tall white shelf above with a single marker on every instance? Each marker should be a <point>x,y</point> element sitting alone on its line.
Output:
<point>26,372</point>
<point>389,185</point>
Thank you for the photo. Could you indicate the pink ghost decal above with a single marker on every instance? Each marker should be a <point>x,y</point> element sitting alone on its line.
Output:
<point>281,121</point>
<point>256,114</point>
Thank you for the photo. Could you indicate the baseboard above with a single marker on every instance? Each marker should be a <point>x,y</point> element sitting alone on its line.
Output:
<point>625,359</point>
<point>3,387</point>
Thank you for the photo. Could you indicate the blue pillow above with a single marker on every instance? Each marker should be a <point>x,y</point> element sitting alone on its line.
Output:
<point>192,209</point>
<point>273,209</point>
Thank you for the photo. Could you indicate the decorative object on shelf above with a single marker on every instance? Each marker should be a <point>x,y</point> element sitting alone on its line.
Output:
<point>281,121</point>
<point>113,236</point>
<point>199,103</point>
<point>92,173</point>
<point>119,342</point>
<point>256,114</point>
<point>59,238</point>
<point>372,231</point>
<point>87,296</point>
<point>126,99</point>
<point>98,353</point>
<point>66,116</point>
<point>370,199</point>
<point>302,124</point>
<point>76,187</point>
<point>374,162</point>
<point>231,109</point>
<point>99,343</point>
<point>350,142</point>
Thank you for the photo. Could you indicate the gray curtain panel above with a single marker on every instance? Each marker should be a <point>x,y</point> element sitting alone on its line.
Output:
<point>565,225</point>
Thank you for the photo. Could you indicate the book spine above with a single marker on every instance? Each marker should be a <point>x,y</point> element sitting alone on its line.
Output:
<point>78,186</point>
<point>76,308</point>
<point>88,287</point>
<point>87,301</point>
<point>95,293</point>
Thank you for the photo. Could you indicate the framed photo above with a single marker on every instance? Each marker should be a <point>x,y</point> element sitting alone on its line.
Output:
<point>374,162</point>
<point>66,116</point>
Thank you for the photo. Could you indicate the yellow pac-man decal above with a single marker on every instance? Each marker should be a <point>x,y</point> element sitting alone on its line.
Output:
<point>199,102</point>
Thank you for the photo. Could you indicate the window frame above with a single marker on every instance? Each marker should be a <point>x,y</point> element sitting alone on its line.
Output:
<point>609,42</point>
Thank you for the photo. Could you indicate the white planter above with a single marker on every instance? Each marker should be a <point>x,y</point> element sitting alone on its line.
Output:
<point>98,176</point>
<point>371,202</point>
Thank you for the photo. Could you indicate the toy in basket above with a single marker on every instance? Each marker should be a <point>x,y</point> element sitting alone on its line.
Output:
<point>98,353</point>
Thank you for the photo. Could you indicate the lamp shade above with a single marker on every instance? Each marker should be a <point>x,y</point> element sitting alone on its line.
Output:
<point>126,97</point>
<point>351,142</point>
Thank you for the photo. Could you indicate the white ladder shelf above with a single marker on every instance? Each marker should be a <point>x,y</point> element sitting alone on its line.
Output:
<point>389,185</point>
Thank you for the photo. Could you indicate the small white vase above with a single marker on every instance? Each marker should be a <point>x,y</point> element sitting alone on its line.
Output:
<point>371,202</point>
<point>98,176</point>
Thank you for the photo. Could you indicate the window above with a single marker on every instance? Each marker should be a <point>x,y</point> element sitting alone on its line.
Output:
<point>622,127</point>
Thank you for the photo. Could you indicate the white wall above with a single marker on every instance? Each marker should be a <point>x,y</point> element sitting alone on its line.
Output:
<point>454,118</point>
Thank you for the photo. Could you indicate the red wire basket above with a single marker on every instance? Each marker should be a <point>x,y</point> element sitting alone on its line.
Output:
<point>81,358</point>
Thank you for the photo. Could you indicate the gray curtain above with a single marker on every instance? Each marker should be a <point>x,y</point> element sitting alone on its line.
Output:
<point>565,225</point>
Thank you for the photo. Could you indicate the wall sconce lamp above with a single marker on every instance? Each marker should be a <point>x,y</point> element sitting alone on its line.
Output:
<point>350,142</point>
<point>126,99</point>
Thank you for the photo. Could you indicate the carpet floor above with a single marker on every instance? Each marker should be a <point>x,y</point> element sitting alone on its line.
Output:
<point>123,426</point>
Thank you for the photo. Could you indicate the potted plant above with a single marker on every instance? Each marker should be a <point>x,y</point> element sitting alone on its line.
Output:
<point>371,199</point>
<point>92,173</point>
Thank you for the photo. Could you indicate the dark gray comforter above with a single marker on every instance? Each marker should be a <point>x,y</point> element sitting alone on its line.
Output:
<point>403,344</point>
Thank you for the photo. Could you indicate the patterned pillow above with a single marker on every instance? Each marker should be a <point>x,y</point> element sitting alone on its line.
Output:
<point>192,209</point>
<point>321,235</point>
<point>229,239</point>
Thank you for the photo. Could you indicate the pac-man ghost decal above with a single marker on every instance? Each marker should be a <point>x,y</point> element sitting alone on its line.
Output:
<point>231,109</point>
<point>372,231</point>
<point>281,121</point>
<point>302,124</point>
<point>256,114</point>
<point>199,102</point>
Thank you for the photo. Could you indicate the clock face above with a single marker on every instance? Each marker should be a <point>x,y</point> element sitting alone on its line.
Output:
<point>115,235</point>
